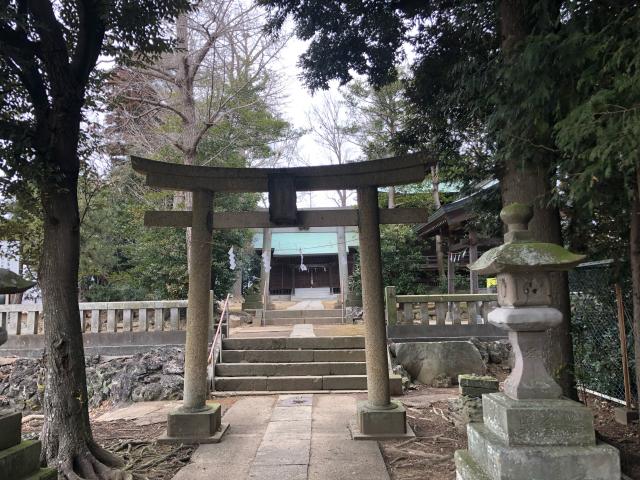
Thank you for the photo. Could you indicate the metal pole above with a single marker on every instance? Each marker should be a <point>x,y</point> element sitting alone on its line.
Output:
<point>373,299</point>
<point>623,347</point>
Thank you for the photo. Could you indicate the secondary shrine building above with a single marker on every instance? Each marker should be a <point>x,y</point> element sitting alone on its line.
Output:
<point>304,262</point>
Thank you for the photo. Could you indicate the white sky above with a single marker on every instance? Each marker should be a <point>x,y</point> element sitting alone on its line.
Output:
<point>295,108</point>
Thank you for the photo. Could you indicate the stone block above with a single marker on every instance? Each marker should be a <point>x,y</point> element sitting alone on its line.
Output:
<point>538,422</point>
<point>301,383</point>
<point>20,460</point>
<point>395,384</point>
<point>465,410</point>
<point>467,468</point>
<point>625,416</point>
<point>10,428</point>
<point>347,368</point>
<point>344,382</point>
<point>350,355</point>
<point>374,421</point>
<point>480,382</point>
<point>241,384</point>
<point>502,462</point>
<point>424,361</point>
<point>475,392</point>
<point>194,427</point>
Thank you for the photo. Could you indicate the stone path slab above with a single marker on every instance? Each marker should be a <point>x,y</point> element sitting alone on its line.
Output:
<point>141,413</point>
<point>302,330</point>
<point>307,305</point>
<point>289,437</point>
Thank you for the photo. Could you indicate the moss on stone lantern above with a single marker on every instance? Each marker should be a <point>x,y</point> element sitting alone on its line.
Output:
<point>523,266</point>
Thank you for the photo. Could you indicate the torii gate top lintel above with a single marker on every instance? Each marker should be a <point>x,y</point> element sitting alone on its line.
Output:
<point>283,183</point>
<point>399,170</point>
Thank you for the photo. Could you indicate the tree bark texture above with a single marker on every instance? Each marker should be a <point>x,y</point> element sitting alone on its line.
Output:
<point>530,182</point>
<point>67,439</point>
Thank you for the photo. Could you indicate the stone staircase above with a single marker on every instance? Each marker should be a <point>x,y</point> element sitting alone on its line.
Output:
<point>293,317</point>
<point>20,460</point>
<point>294,364</point>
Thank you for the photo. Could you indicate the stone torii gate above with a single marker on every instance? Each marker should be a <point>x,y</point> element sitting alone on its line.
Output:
<point>195,421</point>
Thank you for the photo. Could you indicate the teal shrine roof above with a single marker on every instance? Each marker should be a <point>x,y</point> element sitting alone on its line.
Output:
<point>311,243</point>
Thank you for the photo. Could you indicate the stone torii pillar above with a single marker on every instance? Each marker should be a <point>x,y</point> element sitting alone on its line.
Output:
<point>378,417</point>
<point>196,421</point>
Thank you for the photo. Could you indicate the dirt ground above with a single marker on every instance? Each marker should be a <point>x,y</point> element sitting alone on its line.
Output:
<point>134,443</point>
<point>624,438</point>
<point>430,454</point>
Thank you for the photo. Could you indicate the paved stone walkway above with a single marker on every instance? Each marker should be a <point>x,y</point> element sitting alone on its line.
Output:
<point>307,305</point>
<point>302,330</point>
<point>289,437</point>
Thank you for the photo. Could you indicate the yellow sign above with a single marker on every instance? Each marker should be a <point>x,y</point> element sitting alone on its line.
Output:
<point>492,282</point>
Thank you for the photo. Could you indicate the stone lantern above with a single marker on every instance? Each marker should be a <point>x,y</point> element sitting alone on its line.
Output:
<point>18,459</point>
<point>11,283</point>
<point>530,431</point>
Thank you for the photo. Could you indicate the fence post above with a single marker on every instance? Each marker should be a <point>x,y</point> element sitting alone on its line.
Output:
<point>391,305</point>
<point>623,347</point>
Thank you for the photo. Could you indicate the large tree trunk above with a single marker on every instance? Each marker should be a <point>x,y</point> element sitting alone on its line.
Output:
<point>634,253</point>
<point>67,440</point>
<point>529,181</point>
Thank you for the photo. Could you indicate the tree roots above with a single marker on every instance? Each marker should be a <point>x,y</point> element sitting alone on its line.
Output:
<point>94,463</point>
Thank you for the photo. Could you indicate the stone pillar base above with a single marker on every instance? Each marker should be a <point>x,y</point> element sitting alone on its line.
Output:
<point>536,440</point>
<point>195,427</point>
<point>381,423</point>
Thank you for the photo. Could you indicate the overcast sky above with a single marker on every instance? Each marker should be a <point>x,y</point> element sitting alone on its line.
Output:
<point>295,108</point>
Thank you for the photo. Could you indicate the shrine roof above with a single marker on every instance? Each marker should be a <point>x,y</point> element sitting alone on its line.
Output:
<point>309,243</point>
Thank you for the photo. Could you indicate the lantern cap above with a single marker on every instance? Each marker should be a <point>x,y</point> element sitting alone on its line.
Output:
<point>11,283</point>
<point>520,252</point>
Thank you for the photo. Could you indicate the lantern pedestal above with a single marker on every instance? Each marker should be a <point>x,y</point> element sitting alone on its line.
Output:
<point>536,440</point>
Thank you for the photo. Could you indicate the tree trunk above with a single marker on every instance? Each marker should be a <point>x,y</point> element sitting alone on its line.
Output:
<point>66,436</point>
<point>634,254</point>
<point>529,181</point>
<point>188,139</point>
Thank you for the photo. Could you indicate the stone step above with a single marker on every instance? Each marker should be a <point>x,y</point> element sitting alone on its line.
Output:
<point>307,321</point>
<point>20,460</point>
<point>292,356</point>
<point>302,313</point>
<point>293,343</point>
<point>301,383</point>
<point>290,369</point>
